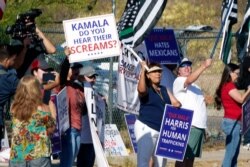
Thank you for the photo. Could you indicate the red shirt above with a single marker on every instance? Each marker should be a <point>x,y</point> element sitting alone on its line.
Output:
<point>232,109</point>
<point>76,103</point>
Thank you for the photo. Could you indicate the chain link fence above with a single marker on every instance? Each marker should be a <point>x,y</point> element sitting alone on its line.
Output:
<point>196,45</point>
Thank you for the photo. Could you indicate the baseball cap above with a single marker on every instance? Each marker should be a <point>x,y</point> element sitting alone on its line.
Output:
<point>76,65</point>
<point>184,61</point>
<point>42,64</point>
<point>88,71</point>
<point>154,68</point>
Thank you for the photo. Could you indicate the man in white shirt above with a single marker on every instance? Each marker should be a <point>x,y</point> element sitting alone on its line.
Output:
<point>191,97</point>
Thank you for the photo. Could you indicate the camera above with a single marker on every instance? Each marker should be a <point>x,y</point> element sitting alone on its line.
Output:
<point>47,77</point>
<point>25,26</point>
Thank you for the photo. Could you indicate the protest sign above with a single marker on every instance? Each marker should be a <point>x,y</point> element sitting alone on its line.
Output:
<point>92,37</point>
<point>245,116</point>
<point>62,110</point>
<point>96,115</point>
<point>174,133</point>
<point>5,141</point>
<point>56,136</point>
<point>162,46</point>
<point>128,76</point>
<point>5,150</point>
<point>130,122</point>
<point>114,145</point>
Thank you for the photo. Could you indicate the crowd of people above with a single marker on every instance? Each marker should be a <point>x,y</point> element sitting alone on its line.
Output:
<point>27,77</point>
<point>181,91</point>
<point>27,81</point>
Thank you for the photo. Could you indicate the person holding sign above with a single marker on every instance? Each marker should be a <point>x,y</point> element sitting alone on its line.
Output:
<point>32,123</point>
<point>228,96</point>
<point>191,97</point>
<point>153,98</point>
<point>86,155</point>
<point>71,138</point>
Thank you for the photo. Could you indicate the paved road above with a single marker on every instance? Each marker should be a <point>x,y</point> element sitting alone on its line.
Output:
<point>206,156</point>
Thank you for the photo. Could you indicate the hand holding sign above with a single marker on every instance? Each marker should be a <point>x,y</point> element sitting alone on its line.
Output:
<point>92,38</point>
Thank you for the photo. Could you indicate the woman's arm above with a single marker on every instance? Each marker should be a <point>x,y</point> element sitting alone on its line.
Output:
<point>173,100</point>
<point>52,84</point>
<point>237,96</point>
<point>50,48</point>
<point>142,87</point>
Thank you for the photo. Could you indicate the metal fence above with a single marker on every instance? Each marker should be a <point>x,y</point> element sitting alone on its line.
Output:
<point>196,45</point>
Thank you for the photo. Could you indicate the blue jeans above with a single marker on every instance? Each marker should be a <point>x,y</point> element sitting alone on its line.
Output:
<point>231,128</point>
<point>39,162</point>
<point>70,147</point>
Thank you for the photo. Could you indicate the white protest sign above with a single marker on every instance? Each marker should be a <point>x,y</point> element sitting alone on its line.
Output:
<point>92,37</point>
<point>114,145</point>
<point>5,151</point>
<point>62,110</point>
<point>95,115</point>
<point>128,77</point>
<point>5,140</point>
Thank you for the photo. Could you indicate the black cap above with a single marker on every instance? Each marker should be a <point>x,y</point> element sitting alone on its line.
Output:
<point>76,65</point>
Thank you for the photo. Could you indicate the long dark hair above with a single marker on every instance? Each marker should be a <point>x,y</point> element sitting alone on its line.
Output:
<point>225,78</point>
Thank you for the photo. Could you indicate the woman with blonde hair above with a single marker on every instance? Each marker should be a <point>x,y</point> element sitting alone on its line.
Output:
<point>32,123</point>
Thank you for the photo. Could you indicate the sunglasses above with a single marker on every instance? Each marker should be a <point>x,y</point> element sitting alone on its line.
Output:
<point>185,65</point>
<point>92,76</point>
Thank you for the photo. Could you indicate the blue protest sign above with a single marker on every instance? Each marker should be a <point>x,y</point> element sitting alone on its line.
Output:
<point>162,47</point>
<point>174,133</point>
<point>245,116</point>
<point>56,137</point>
<point>130,122</point>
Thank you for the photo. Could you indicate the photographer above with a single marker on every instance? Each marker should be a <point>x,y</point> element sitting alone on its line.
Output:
<point>8,80</point>
<point>33,53</point>
<point>25,27</point>
<point>46,76</point>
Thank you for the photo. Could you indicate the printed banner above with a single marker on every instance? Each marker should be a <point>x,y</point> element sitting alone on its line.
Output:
<point>62,110</point>
<point>56,137</point>
<point>130,122</point>
<point>245,116</point>
<point>89,95</point>
<point>92,37</point>
<point>128,72</point>
<point>114,145</point>
<point>100,116</point>
<point>159,47</point>
<point>162,46</point>
<point>174,133</point>
<point>5,141</point>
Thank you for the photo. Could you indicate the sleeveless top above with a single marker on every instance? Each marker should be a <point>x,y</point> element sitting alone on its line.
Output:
<point>152,107</point>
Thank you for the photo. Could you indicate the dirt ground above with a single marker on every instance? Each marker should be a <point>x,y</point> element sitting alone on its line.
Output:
<point>212,156</point>
<point>241,163</point>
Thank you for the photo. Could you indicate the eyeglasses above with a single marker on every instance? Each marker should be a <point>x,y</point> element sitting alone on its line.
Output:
<point>92,77</point>
<point>237,73</point>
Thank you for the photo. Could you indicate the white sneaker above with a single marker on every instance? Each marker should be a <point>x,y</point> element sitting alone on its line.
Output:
<point>247,146</point>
